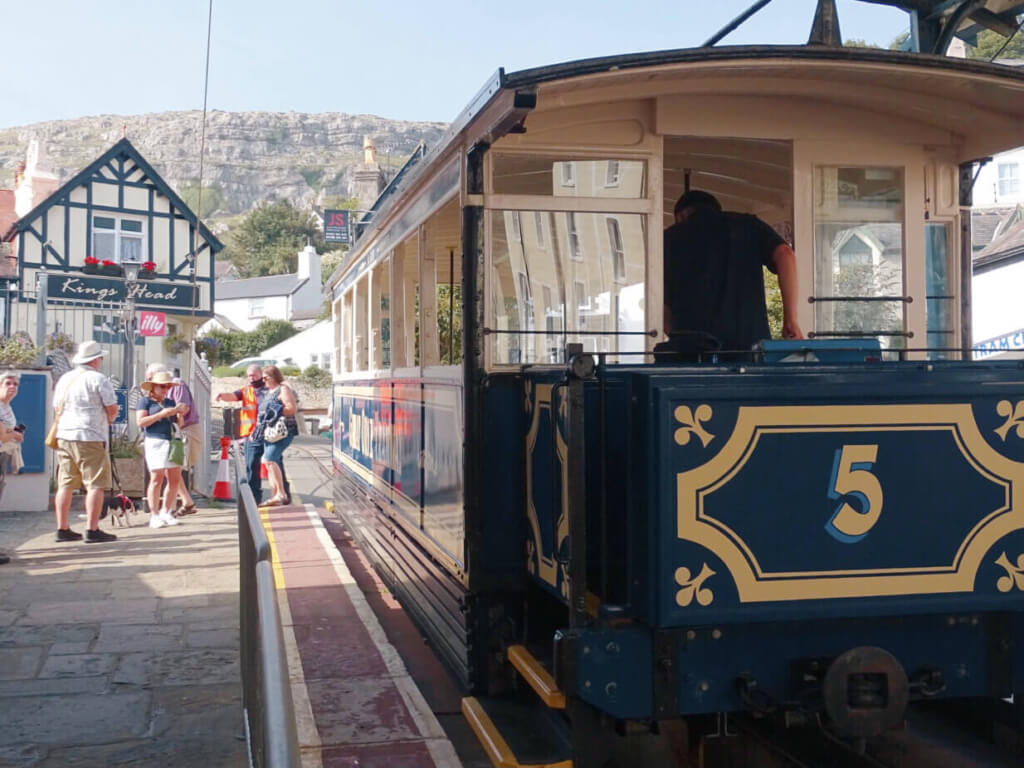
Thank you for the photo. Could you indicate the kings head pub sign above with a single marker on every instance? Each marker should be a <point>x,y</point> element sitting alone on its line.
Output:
<point>146,293</point>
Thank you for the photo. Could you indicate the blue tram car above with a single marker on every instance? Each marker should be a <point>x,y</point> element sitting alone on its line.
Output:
<point>823,529</point>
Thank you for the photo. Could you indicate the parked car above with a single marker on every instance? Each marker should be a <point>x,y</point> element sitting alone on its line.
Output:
<point>245,362</point>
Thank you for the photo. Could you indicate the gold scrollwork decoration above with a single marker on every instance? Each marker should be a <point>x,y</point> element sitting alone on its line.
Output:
<point>692,424</point>
<point>692,588</point>
<point>1014,574</point>
<point>1014,416</point>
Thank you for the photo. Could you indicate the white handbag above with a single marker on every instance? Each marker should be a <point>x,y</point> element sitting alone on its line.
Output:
<point>276,431</point>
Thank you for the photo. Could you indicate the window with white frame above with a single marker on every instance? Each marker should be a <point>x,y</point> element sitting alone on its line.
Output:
<point>257,307</point>
<point>1009,179</point>
<point>538,221</point>
<point>117,239</point>
<point>575,252</point>
<point>517,230</point>
<point>568,174</point>
<point>611,178</point>
<point>617,249</point>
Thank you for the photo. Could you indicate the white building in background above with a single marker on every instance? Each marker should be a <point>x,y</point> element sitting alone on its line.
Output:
<point>296,297</point>
<point>1001,182</point>
<point>313,346</point>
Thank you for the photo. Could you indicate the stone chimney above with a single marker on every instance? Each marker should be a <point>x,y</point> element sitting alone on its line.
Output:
<point>368,180</point>
<point>34,184</point>
<point>309,265</point>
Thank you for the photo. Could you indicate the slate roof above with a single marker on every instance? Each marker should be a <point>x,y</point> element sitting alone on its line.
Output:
<point>258,287</point>
<point>1008,248</point>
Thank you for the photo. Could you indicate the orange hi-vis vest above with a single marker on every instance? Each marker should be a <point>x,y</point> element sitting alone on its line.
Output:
<point>250,409</point>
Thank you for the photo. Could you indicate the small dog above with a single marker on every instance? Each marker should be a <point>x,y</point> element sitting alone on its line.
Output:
<point>119,507</point>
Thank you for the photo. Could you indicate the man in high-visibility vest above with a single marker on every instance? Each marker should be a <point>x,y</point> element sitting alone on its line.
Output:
<point>251,396</point>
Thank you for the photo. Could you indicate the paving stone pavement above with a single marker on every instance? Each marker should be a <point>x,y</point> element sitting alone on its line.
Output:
<point>123,653</point>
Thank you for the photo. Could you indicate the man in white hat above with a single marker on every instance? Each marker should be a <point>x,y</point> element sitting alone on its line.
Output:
<point>84,406</point>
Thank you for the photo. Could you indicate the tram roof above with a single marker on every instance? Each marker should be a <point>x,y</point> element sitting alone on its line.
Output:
<point>979,101</point>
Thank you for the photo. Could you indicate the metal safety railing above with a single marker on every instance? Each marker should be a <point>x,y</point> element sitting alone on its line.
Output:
<point>266,693</point>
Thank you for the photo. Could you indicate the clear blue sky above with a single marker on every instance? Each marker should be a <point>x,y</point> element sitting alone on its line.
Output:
<point>419,60</point>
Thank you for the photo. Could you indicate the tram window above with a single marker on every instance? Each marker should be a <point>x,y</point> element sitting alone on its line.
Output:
<point>360,343</point>
<point>941,296</point>
<point>405,305</point>
<point>449,308</point>
<point>858,252</point>
<point>380,315</point>
<point>347,331</point>
<point>568,177</point>
<point>530,287</point>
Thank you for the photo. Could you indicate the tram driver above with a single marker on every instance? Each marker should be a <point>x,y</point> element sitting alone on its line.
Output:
<point>714,281</point>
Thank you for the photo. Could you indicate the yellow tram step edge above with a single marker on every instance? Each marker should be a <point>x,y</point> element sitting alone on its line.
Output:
<point>539,678</point>
<point>491,740</point>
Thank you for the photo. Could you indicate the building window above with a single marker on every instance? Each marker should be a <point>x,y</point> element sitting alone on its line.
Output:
<point>538,221</point>
<point>611,178</point>
<point>575,253</point>
<point>517,232</point>
<point>582,303</point>
<point>1009,179</point>
<point>568,174</point>
<point>257,308</point>
<point>117,239</point>
<point>617,249</point>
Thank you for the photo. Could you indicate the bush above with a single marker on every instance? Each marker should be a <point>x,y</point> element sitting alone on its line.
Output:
<point>289,370</point>
<point>123,447</point>
<point>18,350</point>
<point>315,376</point>
<point>222,371</point>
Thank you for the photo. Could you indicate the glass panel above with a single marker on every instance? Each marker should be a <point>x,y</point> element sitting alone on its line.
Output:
<point>449,310</point>
<point>103,246</point>
<point>380,308</point>
<point>858,252</point>
<point>531,285</point>
<point>131,248</point>
<point>569,177</point>
<point>103,222</point>
<point>941,298</point>
<point>361,341</point>
<point>127,225</point>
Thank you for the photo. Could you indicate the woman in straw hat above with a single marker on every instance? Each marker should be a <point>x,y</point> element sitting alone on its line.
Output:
<point>154,415</point>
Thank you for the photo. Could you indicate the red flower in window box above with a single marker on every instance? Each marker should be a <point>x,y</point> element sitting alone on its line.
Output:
<point>91,266</point>
<point>109,263</point>
<point>92,261</point>
<point>112,268</point>
<point>149,266</point>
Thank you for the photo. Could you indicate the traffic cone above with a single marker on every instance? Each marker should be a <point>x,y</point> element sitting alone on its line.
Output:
<point>263,470</point>
<point>222,487</point>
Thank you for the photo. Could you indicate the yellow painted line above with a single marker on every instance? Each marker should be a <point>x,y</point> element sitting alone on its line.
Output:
<point>329,506</point>
<point>494,745</point>
<point>539,678</point>
<point>274,560</point>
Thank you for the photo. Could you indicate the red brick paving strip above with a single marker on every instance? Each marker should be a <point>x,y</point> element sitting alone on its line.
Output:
<point>366,708</point>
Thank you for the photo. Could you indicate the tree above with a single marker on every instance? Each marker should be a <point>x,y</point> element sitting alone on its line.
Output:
<point>269,238</point>
<point>990,42</point>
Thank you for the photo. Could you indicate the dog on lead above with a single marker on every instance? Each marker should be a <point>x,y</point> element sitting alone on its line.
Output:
<point>119,507</point>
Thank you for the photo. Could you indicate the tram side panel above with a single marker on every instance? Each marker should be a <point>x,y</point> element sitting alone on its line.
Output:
<point>786,521</point>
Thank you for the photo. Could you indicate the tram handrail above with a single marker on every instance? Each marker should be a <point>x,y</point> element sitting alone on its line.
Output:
<point>269,714</point>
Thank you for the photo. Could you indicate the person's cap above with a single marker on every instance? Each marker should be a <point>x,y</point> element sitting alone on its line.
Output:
<point>160,377</point>
<point>87,352</point>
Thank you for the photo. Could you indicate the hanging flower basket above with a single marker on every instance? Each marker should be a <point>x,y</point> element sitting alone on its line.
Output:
<point>111,268</point>
<point>91,266</point>
<point>147,270</point>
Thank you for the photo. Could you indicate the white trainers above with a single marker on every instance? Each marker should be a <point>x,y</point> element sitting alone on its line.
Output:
<point>167,518</point>
<point>156,522</point>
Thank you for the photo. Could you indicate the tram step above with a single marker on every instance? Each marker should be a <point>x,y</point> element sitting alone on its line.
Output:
<point>517,735</point>
<point>537,676</point>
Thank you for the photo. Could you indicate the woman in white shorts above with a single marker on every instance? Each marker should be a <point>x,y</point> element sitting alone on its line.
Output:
<point>154,415</point>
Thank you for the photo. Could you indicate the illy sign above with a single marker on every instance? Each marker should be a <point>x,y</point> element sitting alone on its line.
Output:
<point>152,323</point>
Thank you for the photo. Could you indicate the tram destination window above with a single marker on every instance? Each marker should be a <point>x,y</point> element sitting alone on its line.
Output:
<point>532,174</point>
<point>587,287</point>
<point>858,253</point>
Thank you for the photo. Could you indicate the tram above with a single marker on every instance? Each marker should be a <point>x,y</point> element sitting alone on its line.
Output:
<point>603,544</point>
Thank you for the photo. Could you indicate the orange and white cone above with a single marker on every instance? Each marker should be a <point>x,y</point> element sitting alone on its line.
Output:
<point>222,487</point>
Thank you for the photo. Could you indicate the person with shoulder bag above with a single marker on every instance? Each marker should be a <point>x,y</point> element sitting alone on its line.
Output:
<point>11,435</point>
<point>277,427</point>
<point>155,414</point>
<point>85,408</point>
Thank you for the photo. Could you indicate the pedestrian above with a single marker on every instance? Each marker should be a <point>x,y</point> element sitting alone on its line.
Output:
<point>251,396</point>
<point>155,414</point>
<point>279,403</point>
<point>84,408</point>
<point>10,436</point>
<point>192,434</point>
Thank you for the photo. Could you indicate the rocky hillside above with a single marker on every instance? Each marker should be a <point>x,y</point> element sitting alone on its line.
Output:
<point>251,156</point>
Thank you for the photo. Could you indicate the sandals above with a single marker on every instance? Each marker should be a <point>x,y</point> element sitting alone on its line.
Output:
<point>188,509</point>
<point>274,502</point>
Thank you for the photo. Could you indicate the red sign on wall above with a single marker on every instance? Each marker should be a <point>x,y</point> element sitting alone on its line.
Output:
<point>152,323</point>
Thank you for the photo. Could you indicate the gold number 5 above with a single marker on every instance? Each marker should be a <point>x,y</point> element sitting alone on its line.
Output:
<point>852,478</point>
